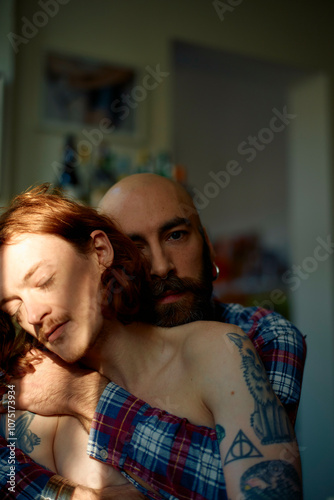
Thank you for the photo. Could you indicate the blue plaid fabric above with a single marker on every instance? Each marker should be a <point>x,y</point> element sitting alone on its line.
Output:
<point>177,459</point>
<point>31,481</point>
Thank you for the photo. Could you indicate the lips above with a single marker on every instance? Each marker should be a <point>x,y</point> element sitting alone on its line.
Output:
<point>55,332</point>
<point>169,297</point>
<point>172,286</point>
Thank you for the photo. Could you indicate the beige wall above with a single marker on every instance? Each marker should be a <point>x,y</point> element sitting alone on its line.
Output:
<point>7,64</point>
<point>140,32</point>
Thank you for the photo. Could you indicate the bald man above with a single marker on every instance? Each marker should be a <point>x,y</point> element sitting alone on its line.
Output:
<point>159,215</point>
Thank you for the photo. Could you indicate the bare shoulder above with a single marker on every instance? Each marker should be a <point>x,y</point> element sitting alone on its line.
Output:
<point>212,360</point>
<point>204,339</point>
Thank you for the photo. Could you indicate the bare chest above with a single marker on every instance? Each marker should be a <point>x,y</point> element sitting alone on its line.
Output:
<point>175,391</point>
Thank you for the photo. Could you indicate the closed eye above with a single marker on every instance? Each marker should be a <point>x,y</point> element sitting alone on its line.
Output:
<point>46,284</point>
<point>13,312</point>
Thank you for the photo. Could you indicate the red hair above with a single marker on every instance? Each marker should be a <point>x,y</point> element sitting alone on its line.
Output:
<point>13,349</point>
<point>45,210</point>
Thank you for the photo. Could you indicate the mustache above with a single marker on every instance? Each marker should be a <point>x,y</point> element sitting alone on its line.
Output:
<point>41,334</point>
<point>173,283</point>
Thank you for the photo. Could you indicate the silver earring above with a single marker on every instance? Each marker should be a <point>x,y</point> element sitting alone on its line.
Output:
<point>217,272</point>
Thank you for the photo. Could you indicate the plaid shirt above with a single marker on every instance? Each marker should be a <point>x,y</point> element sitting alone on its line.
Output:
<point>178,459</point>
<point>282,349</point>
<point>30,480</point>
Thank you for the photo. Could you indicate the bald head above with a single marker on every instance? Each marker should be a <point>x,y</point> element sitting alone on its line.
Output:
<point>146,193</point>
<point>159,216</point>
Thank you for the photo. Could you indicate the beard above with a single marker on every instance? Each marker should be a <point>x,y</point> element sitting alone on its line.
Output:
<point>197,303</point>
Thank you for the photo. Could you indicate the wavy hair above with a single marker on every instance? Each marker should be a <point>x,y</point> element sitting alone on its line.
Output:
<point>14,345</point>
<point>46,210</point>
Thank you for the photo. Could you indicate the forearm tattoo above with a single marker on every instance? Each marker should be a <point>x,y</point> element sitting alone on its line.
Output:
<point>271,480</point>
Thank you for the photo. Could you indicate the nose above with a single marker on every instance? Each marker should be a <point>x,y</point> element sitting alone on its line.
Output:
<point>161,262</point>
<point>36,311</point>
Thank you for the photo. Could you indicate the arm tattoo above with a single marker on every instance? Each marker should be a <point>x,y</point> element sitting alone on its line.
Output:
<point>220,431</point>
<point>273,479</point>
<point>241,447</point>
<point>270,423</point>
<point>26,440</point>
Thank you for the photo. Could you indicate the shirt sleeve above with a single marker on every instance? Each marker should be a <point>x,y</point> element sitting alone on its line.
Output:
<point>23,479</point>
<point>174,457</point>
<point>280,345</point>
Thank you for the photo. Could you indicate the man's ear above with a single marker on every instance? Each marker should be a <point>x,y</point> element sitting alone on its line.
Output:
<point>208,242</point>
<point>103,248</point>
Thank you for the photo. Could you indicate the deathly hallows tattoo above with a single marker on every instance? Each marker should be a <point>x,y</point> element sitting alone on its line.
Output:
<point>242,447</point>
<point>269,420</point>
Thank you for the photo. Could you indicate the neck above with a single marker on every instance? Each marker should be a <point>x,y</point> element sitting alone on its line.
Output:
<point>122,352</point>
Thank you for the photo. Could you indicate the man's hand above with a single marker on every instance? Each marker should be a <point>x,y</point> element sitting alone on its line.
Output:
<point>123,492</point>
<point>53,387</point>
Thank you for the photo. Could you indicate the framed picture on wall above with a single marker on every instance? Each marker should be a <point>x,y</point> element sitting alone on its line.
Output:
<point>86,94</point>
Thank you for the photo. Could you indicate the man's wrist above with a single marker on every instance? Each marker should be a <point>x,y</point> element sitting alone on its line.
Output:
<point>59,487</point>
<point>82,493</point>
<point>86,394</point>
<point>120,492</point>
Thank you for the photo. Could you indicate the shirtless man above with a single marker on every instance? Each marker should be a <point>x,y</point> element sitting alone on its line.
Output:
<point>160,217</point>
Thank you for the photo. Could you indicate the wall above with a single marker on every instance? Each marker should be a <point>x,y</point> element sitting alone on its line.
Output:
<point>7,69</point>
<point>140,32</point>
<point>310,227</point>
<point>220,102</point>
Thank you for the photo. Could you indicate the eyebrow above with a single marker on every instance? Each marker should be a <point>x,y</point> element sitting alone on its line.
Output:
<point>26,278</point>
<point>32,271</point>
<point>170,224</point>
